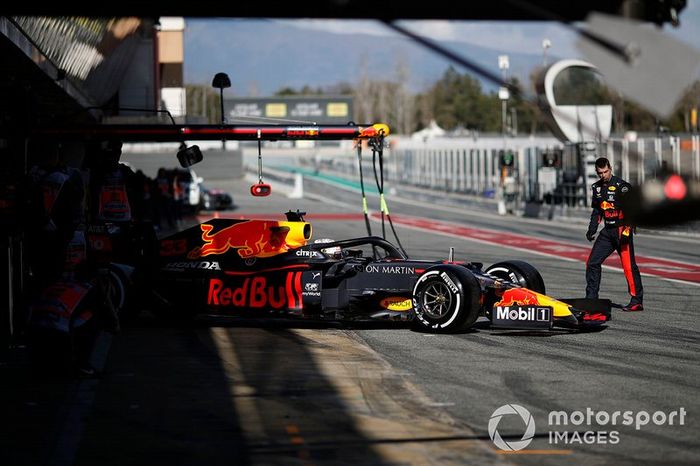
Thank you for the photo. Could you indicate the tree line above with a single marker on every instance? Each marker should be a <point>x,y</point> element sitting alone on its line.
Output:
<point>458,102</point>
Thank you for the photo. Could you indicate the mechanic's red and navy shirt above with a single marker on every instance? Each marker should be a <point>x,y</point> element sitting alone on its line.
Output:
<point>605,201</point>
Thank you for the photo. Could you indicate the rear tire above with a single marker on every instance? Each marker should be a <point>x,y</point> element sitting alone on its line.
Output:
<point>520,273</point>
<point>446,299</point>
<point>125,292</point>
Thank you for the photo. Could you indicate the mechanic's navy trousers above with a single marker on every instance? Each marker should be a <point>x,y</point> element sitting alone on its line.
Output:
<point>609,240</point>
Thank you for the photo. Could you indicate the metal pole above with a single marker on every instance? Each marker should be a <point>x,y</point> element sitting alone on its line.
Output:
<point>221,101</point>
<point>204,106</point>
<point>503,121</point>
<point>676,146</point>
<point>503,64</point>
<point>696,156</point>
<point>641,176</point>
<point>625,160</point>
<point>611,153</point>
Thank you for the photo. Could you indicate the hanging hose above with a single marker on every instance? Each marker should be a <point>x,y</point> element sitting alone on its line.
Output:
<point>260,180</point>
<point>378,149</point>
<point>362,187</point>
<point>380,185</point>
<point>365,210</point>
<point>260,189</point>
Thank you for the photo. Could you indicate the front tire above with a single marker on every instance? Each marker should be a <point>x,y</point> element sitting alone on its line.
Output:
<point>519,272</point>
<point>446,299</point>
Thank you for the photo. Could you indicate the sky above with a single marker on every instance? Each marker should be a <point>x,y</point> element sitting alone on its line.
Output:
<point>508,36</point>
<point>516,37</point>
<point>252,74</point>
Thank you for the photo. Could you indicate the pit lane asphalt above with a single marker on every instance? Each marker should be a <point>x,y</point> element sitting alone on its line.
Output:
<point>642,362</point>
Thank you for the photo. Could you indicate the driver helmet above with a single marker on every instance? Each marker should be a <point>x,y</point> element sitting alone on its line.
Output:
<point>335,251</point>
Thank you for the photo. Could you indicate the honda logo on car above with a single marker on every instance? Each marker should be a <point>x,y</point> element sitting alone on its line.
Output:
<point>205,265</point>
<point>527,313</point>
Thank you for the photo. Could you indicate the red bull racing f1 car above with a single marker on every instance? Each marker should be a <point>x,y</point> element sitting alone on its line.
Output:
<point>268,267</point>
<point>271,268</point>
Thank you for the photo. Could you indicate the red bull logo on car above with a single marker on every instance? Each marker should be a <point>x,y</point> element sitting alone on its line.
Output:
<point>258,292</point>
<point>518,296</point>
<point>252,238</point>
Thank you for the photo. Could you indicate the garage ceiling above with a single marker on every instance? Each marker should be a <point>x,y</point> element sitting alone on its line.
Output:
<point>657,11</point>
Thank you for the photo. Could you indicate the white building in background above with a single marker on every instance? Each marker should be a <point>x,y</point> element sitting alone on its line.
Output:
<point>171,54</point>
<point>578,113</point>
<point>429,132</point>
<point>576,121</point>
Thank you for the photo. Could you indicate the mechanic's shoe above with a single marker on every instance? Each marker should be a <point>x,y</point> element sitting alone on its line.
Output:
<point>633,307</point>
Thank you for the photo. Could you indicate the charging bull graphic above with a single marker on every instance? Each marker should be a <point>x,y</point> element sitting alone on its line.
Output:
<point>252,238</point>
<point>524,297</point>
<point>378,129</point>
<point>518,296</point>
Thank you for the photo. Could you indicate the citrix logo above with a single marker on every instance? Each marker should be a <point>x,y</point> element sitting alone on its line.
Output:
<point>507,410</point>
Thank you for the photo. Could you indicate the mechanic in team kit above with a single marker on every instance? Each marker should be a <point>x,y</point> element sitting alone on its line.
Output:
<point>616,235</point>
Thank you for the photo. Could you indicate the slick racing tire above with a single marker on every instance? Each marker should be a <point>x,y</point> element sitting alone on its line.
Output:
<point>520,273</point>
<point>446,299</point>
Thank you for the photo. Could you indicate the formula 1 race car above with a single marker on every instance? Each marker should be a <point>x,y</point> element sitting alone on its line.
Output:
<point>267,267</point>
<point>270,268</point>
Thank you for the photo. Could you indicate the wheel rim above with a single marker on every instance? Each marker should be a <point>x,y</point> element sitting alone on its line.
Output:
<point>506,275</point>
<point>436,300</point>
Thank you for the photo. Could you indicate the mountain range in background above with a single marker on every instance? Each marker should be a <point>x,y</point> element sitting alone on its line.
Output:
<point>264,56</point>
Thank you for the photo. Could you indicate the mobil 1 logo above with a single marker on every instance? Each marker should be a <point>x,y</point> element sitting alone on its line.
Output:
<point>522,317</point>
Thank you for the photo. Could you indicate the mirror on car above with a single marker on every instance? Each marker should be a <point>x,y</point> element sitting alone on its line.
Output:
<point>189,156</point>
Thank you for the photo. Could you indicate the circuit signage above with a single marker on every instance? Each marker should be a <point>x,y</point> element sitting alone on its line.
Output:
<point>320,110</point>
